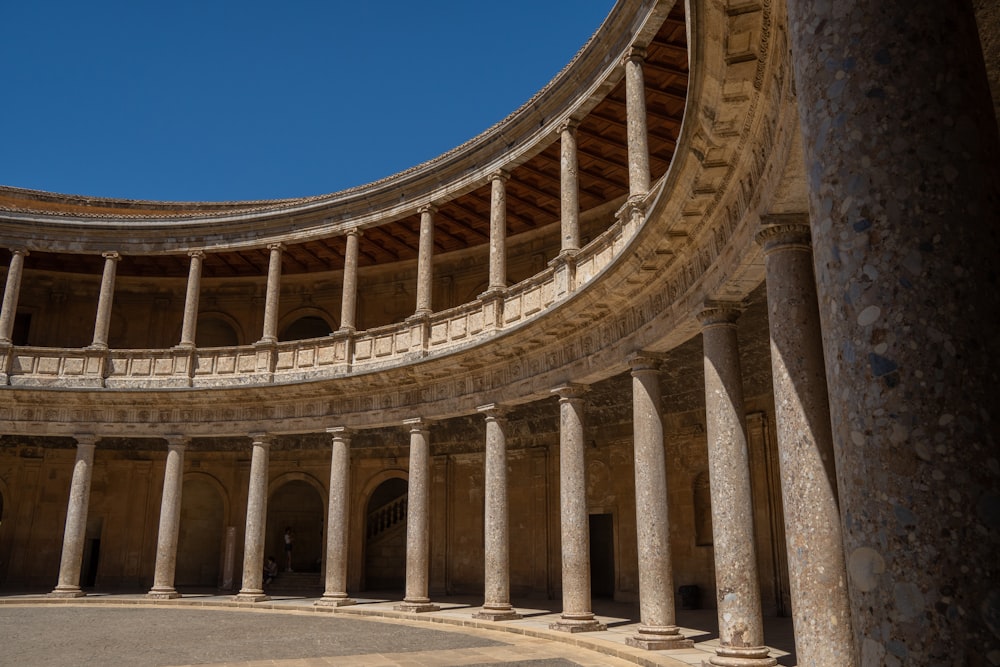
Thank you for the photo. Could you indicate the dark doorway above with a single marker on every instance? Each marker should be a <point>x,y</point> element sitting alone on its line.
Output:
<point>385,537</point>
<point>22,325</point>
<point>91,551</point>
<point>602,556</point>
<point>296,505</point>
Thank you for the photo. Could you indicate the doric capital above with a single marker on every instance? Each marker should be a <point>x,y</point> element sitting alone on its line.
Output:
<point>177,440</point>
<point>785,232</point>
<point>276,246</point>
<point>499,175</point>
<point>643,361</point>
<point>427,208</point>
<point>196,254</point>
<point>19,250</point>
<point>570,391</point>
<point>720,313</point>
<point>634,54</point>
<point>86,439</point>
<point>112,255</point>
<point>260,438</point>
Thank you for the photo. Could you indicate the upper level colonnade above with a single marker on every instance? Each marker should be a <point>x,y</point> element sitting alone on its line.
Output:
<point>595,221</point>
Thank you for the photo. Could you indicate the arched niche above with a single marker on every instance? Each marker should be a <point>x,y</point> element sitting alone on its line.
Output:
<point>217,330</point>
<point>201,540</point>
<point>305,323</point>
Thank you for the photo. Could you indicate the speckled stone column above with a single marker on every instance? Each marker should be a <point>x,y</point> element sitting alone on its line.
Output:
<point>741,629</point>
<point>253,541</point>
<point>498,231</point>
<point>190,322</point>
<point>658,625</point>
<point>335,594</point>
<point>496,599</point>
<point>569,188</point>
<point>271,297</point>
<point>102,323</point>
<point>11,292</point>
<point>575,524</point>
<point>349,299</point>
<point>76,520</point>
<point>903,160</point>
<point>418,514</point>
<point>638,146</point>
<point>425,260</point>
<point>170,520</point>
<point>816,567</point>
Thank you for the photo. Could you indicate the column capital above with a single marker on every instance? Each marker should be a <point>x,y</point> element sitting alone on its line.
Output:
<point>427,208</point>
<point>111,254</point>
<point>570,391</point>
<point>643,361</point>
<point>199,254</point>
<point>568,125</point>
<point>417,423</point>
<point>276,246</point>
<point>340,432</point>
<point>261,438</point>
<point>177,440</point>
<point>86,439</point>
<point>19,250</point>
<point>499,175</point>
<point>355,231</point>
<point>720,313</point>
<point>494,411</point>
<point>787,231</point>
<point>634,54</point>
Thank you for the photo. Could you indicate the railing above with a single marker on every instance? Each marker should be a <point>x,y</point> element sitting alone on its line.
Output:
<point>338,354</point>
<point>386,517</point>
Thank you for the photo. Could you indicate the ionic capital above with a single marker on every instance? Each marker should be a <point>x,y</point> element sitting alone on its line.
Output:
<point>196,254</point>
<point>19,250</point>
<point>427,208</point>
<point>112,255</point>
<point>568,125</point>
<point>276,246</point>
<point>634,54</point>
<point>354,231</point>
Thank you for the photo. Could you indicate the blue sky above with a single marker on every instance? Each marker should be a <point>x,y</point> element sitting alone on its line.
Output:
<point>224,100</point>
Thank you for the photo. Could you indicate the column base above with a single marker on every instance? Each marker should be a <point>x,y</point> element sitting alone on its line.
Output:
<point>731,656</point>
<point>416,606</point>
<point>659,638</point>
<point>162,594</point>
<point>578,623</point>
<point>334,601</point>
<point>497,613</point>
<point>251,596</point>
<point>67,592</point>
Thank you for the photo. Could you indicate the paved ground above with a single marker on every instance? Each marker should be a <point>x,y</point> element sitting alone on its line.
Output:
<point>207,629</point>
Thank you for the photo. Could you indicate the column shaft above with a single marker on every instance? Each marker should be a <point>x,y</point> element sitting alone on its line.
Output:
<point>418,514</point>
<point>741,629</point>
<point>190,321</point>
<point>425,260</point>
<point>11,292</point>
<point>253,550</point>
<point>903,201</point>
<point>170,521</point>
<point>102,322</point>
<point>496,598</point>
<point>658,625</point>
<point>335,594</point>
<point>349,300</point>
<point>635,100</point>
<point>569,188</point>
<point>270,333</point>
<point>575,527</point>
<point>498,231</point>
<point>75,532</point>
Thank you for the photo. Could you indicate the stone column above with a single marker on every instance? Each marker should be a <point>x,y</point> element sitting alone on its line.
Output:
<point>496,600</point>
<point>11,292</point>
<point>658,624</point>
<point>253,549</point>
<point>270,334</point>
<point>349,300</point>
<point>418,513</point>
<point>102,323</point>
<point>635,100</point>
<point>569,188</point>
<point>498,231</point>
<point>741,629</point>
<point>76,520</point>
<point>903,201</point>
<point>575,524</point>
<point>170,520</point>
<point>190,321</point>
<point>816,567</point>
<point>335,594</point>
<point>425,260</point>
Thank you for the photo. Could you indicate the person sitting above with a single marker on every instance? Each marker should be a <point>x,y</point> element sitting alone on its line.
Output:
<point>270,570</point>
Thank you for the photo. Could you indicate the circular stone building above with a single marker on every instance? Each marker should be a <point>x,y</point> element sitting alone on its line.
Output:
<point>715,308</point>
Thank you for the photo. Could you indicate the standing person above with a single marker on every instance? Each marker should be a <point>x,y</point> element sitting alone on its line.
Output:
<point>289,539</point>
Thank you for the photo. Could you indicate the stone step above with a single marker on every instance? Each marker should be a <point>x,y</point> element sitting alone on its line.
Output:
<point>296,582</point>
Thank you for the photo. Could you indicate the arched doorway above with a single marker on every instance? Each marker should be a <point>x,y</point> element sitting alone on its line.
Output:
<point>385,536</point>
<point>296,504</point>
<point>199,543</point>
<point>306,327</point>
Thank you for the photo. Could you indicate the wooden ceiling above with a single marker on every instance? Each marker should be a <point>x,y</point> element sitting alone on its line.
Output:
<point>533,199</point>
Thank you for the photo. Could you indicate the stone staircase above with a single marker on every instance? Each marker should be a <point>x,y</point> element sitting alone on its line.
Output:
<point>303,584</point>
